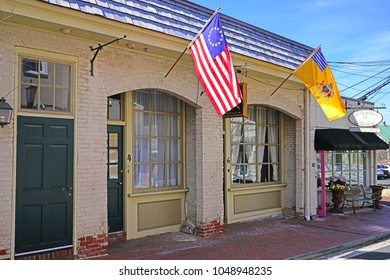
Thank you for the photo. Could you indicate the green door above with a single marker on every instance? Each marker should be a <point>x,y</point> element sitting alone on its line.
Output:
<point>114,179</point>
<point>44,182</point>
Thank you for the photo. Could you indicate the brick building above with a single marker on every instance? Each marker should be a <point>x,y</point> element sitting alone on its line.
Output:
<point>101,145</point>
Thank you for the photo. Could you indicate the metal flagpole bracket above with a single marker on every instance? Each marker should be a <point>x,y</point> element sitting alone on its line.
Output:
<point>99,48</point>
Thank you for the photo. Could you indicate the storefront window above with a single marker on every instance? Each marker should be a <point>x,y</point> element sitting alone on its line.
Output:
<point>255,146</point>
<point>157,140</point>
<point>348,164</point>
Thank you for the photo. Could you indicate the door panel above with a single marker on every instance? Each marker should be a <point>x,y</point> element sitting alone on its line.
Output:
<point>115,178</point>
<point>44,196</point>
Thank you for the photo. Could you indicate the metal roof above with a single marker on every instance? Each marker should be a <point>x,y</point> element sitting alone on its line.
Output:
<point>183,19</point>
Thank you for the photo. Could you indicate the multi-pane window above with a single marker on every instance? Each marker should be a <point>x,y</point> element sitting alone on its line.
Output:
<point>45,86</point>
<point>157,140</point>
<point>351,165</point>
<point>255,146</point>
<point>114,107</point>
<point>113,155</point>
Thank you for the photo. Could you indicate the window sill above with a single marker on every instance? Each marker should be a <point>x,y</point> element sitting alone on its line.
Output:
<point>139,194</point>
<point>257,187</point>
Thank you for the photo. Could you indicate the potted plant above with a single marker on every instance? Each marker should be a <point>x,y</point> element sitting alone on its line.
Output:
<point>337,185</point>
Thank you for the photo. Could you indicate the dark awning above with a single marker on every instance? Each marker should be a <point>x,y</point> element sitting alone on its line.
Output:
<point>343,139</point>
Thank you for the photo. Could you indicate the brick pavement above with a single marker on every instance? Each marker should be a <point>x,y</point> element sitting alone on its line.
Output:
<point>273,238</point>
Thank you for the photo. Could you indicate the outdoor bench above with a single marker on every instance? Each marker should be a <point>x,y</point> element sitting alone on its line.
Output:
<point>357,194</point>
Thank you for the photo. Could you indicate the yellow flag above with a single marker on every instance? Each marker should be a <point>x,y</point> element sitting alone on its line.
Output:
<point>318,78</point>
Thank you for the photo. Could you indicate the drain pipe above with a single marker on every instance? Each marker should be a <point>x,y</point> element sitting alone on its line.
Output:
<point>307,155</point>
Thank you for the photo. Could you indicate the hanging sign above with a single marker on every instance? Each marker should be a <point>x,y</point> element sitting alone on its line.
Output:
<point>241,110</point>
<point>365,118</point>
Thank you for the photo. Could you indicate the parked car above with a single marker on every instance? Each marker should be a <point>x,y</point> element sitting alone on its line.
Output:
<point>385,168</point>
<point>380,174</point>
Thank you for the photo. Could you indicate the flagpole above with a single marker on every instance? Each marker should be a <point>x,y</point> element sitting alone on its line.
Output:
<point>193,40</point>
<point>296,69</point>
<point>177,60</point>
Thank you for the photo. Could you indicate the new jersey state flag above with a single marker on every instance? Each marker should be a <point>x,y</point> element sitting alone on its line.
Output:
<point>214,67</point>
<point>315,73</point>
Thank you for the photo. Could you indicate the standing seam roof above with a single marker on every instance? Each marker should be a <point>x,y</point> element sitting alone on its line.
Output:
<point>184,19</point>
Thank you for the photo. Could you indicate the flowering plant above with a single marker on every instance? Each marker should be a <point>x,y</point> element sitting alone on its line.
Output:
<point>338,183</point>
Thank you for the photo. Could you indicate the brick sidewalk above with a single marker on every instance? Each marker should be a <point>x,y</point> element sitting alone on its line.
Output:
<point>274,238</point>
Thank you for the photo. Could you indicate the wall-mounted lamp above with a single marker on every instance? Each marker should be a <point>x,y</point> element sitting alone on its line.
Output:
<point>5,112</point>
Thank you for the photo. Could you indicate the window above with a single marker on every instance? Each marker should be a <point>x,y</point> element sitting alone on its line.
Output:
<point>45,86</point>
<point>350,165</point>
<point>255,146</point>
<point>157,140</point>
<point>114,107</point>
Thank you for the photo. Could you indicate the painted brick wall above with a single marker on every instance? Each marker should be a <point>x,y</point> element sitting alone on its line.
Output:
<point>209,160</point>
<point>300,175</point>
<point>6,196</point>
<point>289,162</point>
<point>191,167</point>
<point>6,140</point>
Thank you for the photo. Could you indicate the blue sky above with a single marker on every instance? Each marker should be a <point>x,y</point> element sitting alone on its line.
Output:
<point>347,30</point>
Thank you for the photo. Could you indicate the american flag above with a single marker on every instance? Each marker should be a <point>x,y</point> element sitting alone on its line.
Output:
<point>214,67</point>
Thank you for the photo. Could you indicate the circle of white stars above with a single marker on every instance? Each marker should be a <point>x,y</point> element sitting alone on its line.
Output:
<point>219,42</point>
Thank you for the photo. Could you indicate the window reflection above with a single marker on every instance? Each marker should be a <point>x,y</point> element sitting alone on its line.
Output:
<point>45,86</point>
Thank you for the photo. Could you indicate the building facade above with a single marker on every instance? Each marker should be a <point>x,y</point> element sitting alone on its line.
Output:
<point>345,149</point>
<point>104,144</point>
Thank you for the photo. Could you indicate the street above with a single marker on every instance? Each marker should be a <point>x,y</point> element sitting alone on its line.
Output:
<point>384,182</point>
<point>377,251</point>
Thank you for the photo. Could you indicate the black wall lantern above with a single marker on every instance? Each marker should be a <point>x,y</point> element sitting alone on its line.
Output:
<point>5,112</point>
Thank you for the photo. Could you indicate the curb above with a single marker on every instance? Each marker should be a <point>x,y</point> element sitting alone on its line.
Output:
<point>340,248</point>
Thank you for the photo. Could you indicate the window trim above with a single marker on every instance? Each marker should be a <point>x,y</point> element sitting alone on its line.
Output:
<point>25,53</point>
<point>228,161</point>
<point>130,143</point>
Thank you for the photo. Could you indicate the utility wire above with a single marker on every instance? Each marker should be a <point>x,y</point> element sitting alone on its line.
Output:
<point>381,81</point>
<point>351,73</point>
<point>365,79</point>
<point>362,63</point>
<point>375,90</point>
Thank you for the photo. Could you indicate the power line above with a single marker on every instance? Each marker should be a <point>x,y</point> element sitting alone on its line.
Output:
<point>381,81</point>
<point>375,90</point>
<point>365,79</point>
<point>362,63</point>
<point>351,73</point>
